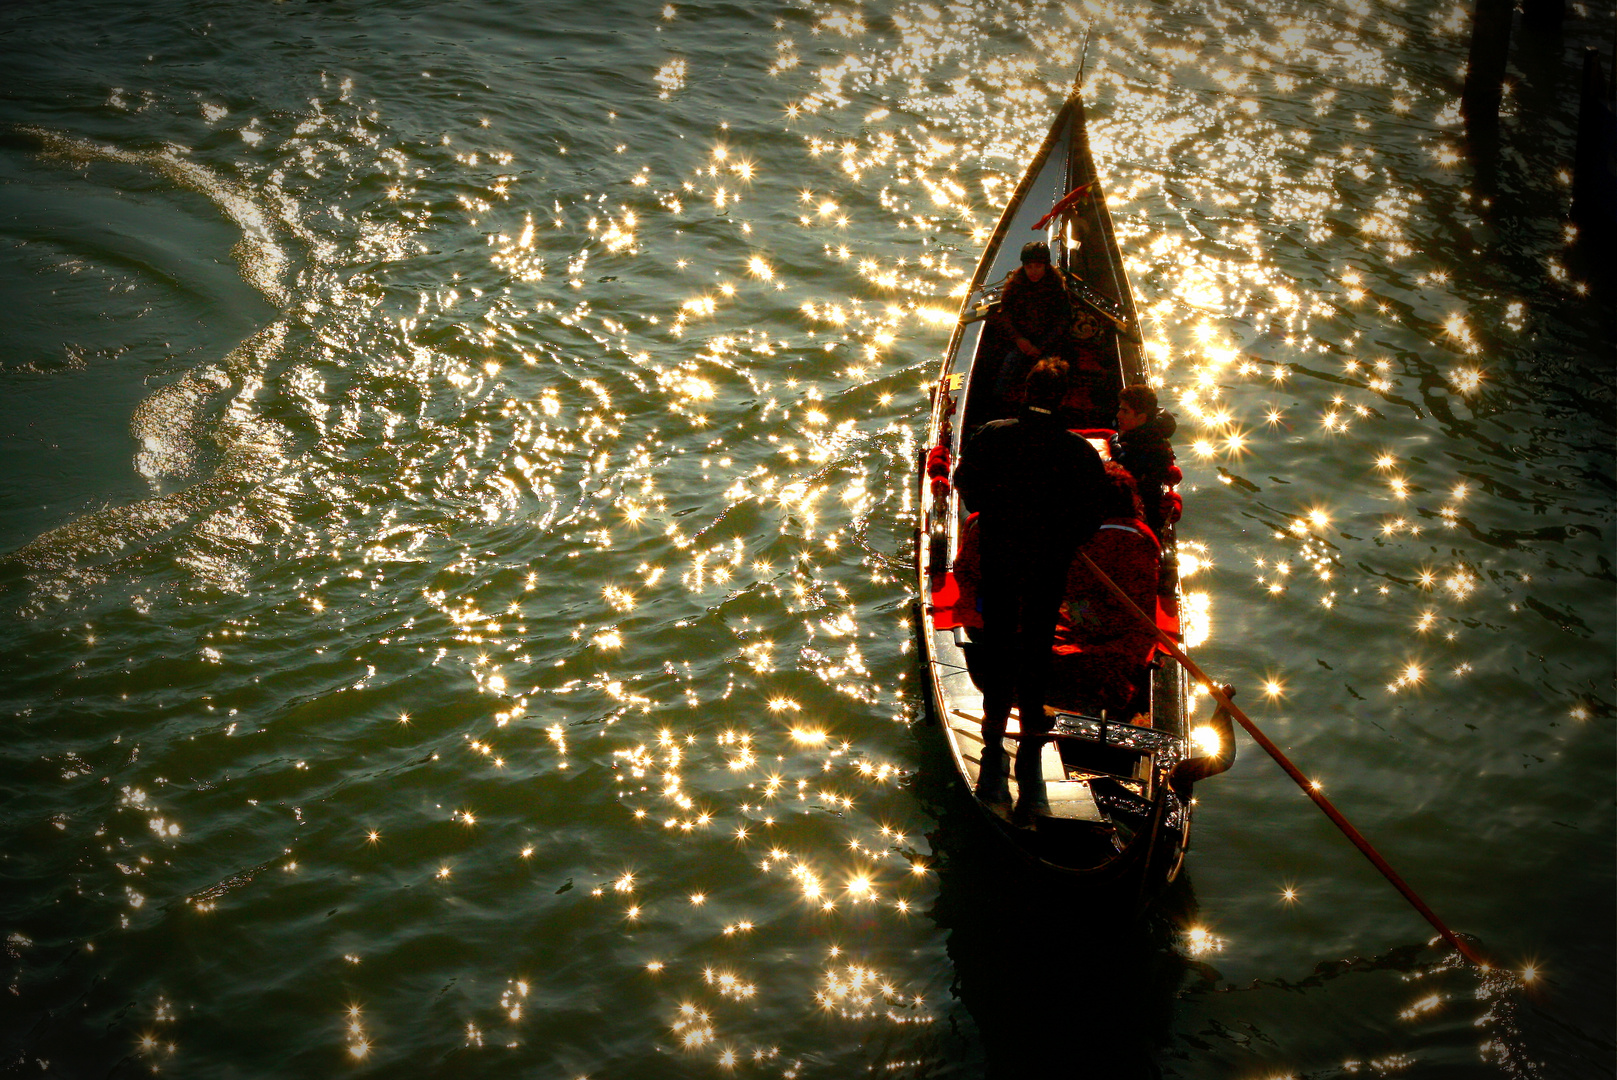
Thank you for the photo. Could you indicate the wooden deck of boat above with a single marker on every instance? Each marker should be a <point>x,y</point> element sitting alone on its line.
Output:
<point>1069,799</point>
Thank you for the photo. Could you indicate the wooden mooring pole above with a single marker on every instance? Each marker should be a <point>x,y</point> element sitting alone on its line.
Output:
<point>1594,168</point>
<point>1485,65</point>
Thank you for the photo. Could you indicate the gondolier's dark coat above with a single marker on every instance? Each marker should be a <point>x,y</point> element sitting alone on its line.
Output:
<point>1037,488</point>
<point>1037,485</point>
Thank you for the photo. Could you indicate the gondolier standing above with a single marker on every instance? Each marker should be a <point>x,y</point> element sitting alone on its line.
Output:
<point>1037,488</point>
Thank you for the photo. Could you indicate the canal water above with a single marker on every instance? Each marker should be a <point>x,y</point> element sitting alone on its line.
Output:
<point>457,512</point>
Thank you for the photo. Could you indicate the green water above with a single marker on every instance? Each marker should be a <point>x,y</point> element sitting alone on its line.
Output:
<point>457,510</point>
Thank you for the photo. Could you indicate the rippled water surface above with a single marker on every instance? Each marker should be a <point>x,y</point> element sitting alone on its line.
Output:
<point>457,504</point>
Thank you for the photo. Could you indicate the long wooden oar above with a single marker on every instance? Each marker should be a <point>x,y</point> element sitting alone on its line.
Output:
<point>1309,788</point>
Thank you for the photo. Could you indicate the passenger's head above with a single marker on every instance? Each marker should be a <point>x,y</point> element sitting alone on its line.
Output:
<point>1035,259</point>
<point>1135,405</point>
<point>1047,384</point>
<point>1120,496</point>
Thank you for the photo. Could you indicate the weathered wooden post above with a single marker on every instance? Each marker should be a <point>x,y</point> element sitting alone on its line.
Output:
<point>1485,65</point>
<point>1594,168</point>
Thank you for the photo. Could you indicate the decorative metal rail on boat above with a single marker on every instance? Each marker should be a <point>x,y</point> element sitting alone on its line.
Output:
<point>1110,733</point>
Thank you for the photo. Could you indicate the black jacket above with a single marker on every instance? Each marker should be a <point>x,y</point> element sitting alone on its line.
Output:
<point>1145,453</point>
<point>1036,484</point>
<point>1040,311</point>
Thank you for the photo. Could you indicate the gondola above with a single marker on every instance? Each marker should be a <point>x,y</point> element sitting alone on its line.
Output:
<point>1119,813</point>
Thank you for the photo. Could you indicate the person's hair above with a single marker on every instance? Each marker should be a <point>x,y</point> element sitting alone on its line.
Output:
<point>1139,397</point>
<point>1120,497</point>
<point>1036,251</point>
<point>1051,270</point>
<point>1047,383</point>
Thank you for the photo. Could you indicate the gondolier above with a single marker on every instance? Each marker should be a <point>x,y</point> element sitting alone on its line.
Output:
<point>1037,488</point>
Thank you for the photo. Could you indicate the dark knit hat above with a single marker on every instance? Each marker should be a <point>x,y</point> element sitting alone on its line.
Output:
<point>1036,251</point>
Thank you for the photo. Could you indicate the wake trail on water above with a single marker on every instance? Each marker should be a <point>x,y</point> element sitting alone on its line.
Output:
<point>204,430</point>
<point>263,258</point>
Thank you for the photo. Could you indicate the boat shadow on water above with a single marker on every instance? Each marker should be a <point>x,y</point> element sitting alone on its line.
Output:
<point>1059,980</point>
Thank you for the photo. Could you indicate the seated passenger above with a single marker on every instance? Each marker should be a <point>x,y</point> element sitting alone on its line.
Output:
<point>1102,649</point>
<point>1034,313</point>
<point>1091,339</point>
<point>1091,399</point>
<point>1142,448</point>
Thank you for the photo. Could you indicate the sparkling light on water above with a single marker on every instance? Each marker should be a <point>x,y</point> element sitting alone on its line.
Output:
<point>528,584</point>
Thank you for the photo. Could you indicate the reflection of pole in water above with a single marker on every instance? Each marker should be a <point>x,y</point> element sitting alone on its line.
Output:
<point>1484,76</point>
<point>1060,982</point>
